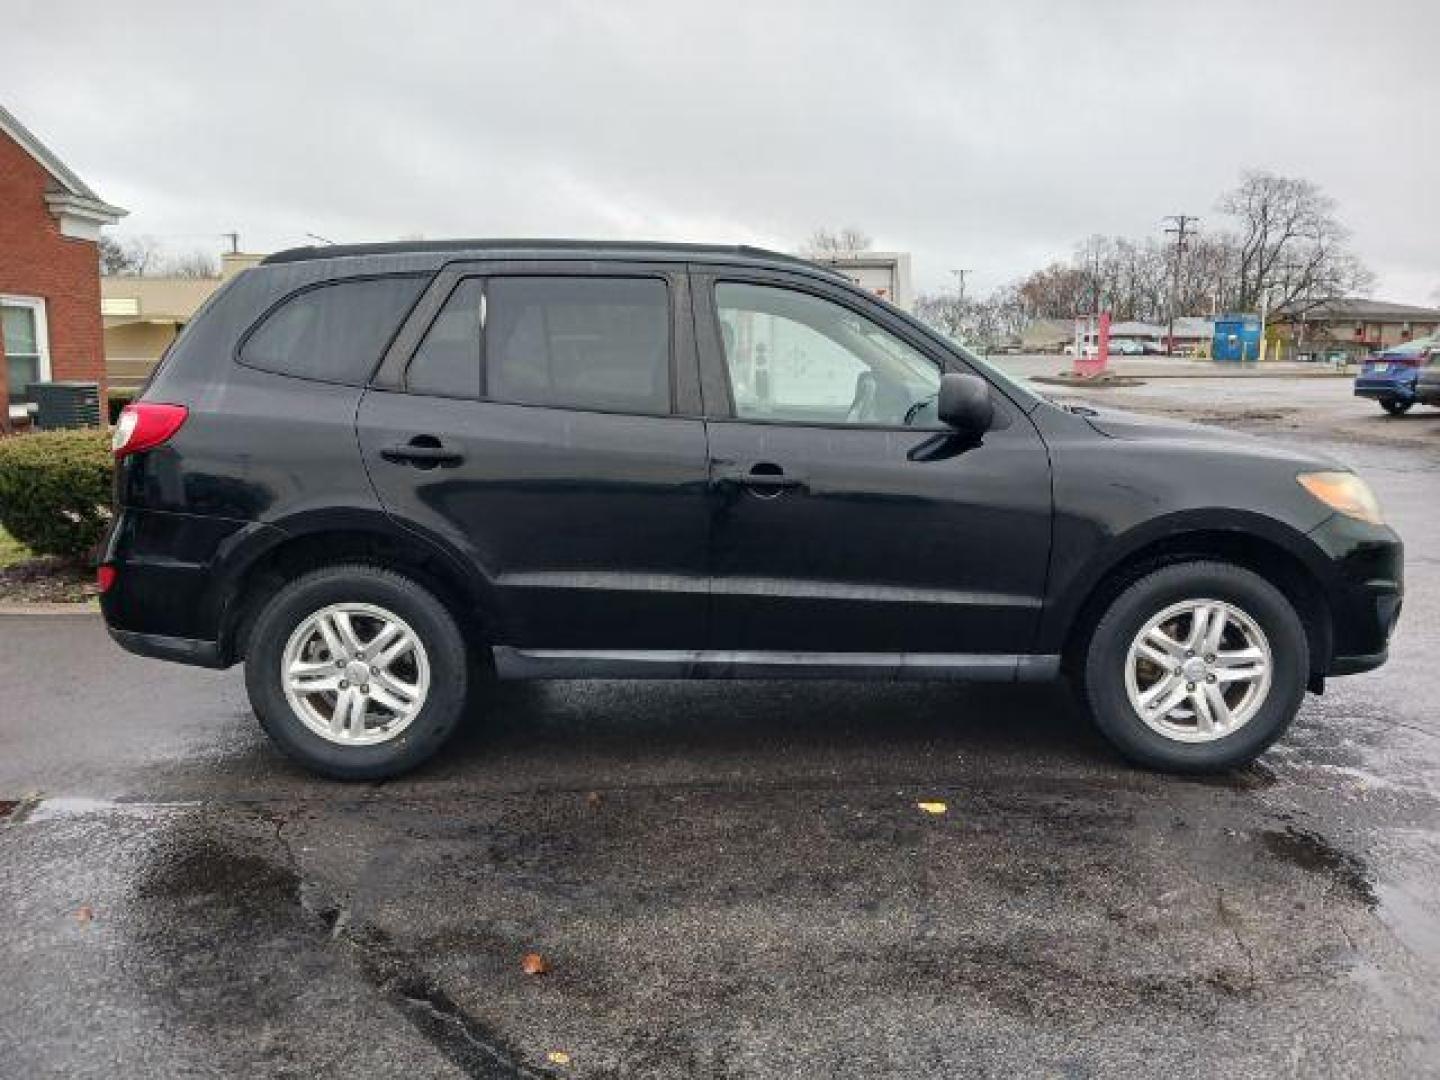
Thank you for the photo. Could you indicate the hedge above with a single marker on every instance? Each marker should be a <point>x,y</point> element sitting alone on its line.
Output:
<point>55,490</point>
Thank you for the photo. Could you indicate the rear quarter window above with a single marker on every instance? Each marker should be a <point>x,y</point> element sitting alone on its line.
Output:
<point>334,332</point>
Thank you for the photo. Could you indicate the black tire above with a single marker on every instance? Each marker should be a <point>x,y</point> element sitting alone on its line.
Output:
<point>1106,657</point>
<point>1395,407</point>
<point>432,623</point>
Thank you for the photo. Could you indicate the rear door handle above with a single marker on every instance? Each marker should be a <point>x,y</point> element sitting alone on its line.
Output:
<point>423,451</point>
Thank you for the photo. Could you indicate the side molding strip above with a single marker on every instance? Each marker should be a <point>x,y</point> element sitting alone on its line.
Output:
<point>512,663</point>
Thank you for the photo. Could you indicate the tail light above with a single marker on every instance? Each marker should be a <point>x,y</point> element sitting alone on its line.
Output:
<point>144,425</point>
<point>105,576</point>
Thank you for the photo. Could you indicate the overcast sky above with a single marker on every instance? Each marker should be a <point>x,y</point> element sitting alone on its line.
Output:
<point>985,136</point>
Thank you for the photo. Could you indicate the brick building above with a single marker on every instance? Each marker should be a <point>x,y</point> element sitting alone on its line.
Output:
<point>1350,327</point>
<point>49,269</point>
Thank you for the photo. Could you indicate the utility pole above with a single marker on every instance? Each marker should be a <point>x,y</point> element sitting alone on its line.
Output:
<point>1183,227</point>
<point>960,282</point>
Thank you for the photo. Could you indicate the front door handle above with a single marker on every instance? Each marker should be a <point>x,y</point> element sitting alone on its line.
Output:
<point>423,451</point>
<point>762,477</point>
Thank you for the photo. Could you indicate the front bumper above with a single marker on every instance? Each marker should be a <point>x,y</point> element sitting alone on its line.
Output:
<point>1365,591</point>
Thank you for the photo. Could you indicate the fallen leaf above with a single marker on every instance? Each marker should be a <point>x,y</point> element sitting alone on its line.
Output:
<point>84,914</point>
<point>532,963</point>
<point>558,1057</point>
<point>932,807</point>
<point>593,799</point>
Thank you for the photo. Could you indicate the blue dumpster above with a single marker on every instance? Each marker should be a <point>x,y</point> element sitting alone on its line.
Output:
<point>1237,338</point>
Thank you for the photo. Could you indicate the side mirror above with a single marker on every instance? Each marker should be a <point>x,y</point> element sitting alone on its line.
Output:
<point>965,404</point>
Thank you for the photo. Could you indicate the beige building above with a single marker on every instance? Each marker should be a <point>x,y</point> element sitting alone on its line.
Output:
<point>1350,327</point>
<point>143,315</point>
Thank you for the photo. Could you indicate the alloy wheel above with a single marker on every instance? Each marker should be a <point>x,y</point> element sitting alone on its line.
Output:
<point>1198,671</point>
<point>355,674</point>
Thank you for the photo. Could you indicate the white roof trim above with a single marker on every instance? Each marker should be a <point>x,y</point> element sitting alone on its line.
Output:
<point>78,199</point>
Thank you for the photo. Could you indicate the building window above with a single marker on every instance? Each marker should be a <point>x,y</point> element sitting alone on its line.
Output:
<point>27,345</point>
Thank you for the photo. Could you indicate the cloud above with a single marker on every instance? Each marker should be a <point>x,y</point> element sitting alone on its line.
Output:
<point>984,136</point>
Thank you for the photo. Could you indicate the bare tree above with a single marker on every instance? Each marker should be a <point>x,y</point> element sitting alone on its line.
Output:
<point>1058,291</point>
<point>979,323</point>
<point>1292,250</point>
<point>129,257</point>
<point>945,311</point>
<point>825,243</point>
<point>142,256</point>
<point>192,264</point>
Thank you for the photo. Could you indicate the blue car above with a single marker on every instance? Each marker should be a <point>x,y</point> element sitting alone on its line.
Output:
<point>1389,376</point>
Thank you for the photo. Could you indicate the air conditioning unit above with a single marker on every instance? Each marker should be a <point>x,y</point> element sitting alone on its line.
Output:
<point>65,404</point>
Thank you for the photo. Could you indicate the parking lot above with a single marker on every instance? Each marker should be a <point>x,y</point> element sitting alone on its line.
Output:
<point>731,880</point>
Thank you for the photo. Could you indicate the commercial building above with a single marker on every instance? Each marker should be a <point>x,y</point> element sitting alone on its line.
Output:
<point>143,315</point>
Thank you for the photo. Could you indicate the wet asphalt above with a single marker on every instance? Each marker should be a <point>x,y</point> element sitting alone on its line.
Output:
<point>730,880</point>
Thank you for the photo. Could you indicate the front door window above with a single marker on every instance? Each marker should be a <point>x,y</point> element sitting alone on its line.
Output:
<point>799,358</point>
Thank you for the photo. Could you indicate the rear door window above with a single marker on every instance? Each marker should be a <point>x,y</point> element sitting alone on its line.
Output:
<point>579,342</point>
<point>332,333</point>
<point>447,364</point>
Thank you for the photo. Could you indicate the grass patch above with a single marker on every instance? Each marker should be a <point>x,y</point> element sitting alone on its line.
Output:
<point>11,550</point>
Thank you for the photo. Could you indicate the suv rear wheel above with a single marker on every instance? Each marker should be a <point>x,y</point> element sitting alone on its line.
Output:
<point>1395,406</point>
<point>356,672</point>
<point>1197,667</point>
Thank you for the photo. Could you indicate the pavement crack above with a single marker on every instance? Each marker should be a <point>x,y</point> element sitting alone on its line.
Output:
<point>1231,923</point>
<point>461,1038</point>
<point>442,1021</point>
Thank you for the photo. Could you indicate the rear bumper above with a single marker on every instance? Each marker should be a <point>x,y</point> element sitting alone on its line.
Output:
<point>160,647</point>
<point>175,578</point>
<point>1379,390</point>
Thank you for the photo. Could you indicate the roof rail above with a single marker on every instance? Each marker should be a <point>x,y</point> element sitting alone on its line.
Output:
<point>576,247</point>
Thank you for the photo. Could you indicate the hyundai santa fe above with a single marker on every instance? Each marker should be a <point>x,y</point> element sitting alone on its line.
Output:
<point>381,476</point>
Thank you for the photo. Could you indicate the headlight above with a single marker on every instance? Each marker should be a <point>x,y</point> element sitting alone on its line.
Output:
<point>1344,492</point>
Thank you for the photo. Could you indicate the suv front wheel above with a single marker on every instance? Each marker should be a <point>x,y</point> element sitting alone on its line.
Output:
<point>1197,667</point>
<point>356,672</point>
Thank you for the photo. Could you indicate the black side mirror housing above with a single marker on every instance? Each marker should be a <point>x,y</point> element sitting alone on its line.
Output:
<point>964,403</point>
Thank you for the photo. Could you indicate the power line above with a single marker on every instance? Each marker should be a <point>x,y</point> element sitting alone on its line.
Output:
<point>1181,229</point>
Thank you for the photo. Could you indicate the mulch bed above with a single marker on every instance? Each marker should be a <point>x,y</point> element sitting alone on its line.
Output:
<point>47,580</point>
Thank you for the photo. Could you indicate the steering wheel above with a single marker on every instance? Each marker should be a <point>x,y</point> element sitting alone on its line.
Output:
<point>862,406</point>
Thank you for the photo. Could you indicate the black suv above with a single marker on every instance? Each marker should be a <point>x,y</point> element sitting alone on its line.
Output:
<point>382,475</point>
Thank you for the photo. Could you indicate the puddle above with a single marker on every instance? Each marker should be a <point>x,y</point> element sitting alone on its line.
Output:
<point>1311,851</point>
<point>34,809</point>
<point>67,807</point>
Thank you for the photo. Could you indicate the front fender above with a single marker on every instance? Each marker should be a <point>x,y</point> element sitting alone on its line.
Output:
<point>1074,580</point>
